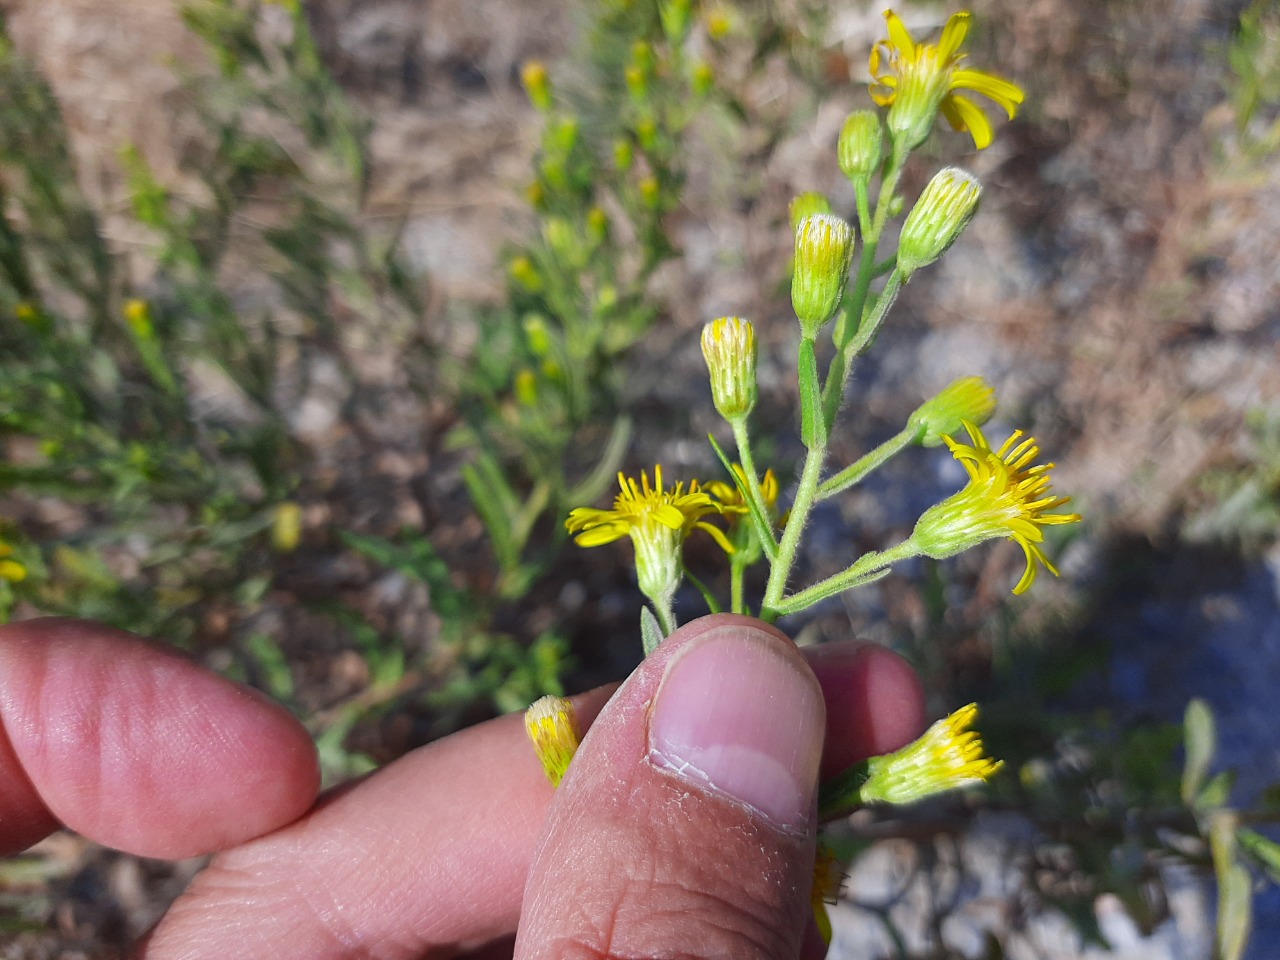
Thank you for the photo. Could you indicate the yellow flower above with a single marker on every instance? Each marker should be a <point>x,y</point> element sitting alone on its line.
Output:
<point>916,80</point>
<point>657,520</point>
<point>947,757</point>
<point>553,728</point>
<point>1007,496</point>
<point>10,569</point>
<point>827,878</point>
<point>731,499</point>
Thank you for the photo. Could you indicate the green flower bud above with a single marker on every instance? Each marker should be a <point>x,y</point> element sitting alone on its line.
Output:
<point>526,388</point>
<point>525,273</point>
<point>729,347</point>
<point>534,77</point>
<point>597,225</point>
<point>651,192</point>
<point>806,205</point>
<point>563,240</point>
<point>967,399</point>
<point>537,335</point>
<point>860,147</point>
<point>623,154</point>
<point>824,247</point>
<point>675,16</point>
<point>944,209</point>
<point>703,79</point>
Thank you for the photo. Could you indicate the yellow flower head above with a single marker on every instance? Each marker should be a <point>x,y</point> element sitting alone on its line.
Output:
<point>827,878</point>
<point>657,520</point>
<point>553,728</point>
<point>947,757</point>
<point>10,569</point>
<point>1007,496</point>
<point>916,80</point>
<point>730,496</point>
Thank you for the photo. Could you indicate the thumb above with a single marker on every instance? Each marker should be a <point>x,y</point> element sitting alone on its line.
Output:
<point>685,826</point>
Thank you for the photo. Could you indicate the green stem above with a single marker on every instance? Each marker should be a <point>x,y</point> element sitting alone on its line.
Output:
<point>853,323</point>
<point>745,457</point>
<point>713,605</point>
<point>854,473</point>
<point>780,569</point>
<point>737,599</point>
<point>869,567</point>
<point>666,617</point>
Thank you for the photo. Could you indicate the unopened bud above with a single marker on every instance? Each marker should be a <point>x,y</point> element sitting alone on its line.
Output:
<point>651,192</point>
<point>824,247</point>
<point>703,79</point>
<point>597,225</point>
<point>526,388</point>
<point>138,316</point>
<point>286,526</point>
<point>526,274</point>
<point>944,209</point>
<point>675,16</point>
<point>969,398</point>
<point>729,347</point>
<point>623,154</point>
<point>860,147</point>
<point>553,728</point>
<point>534,77</point>
<point>806,205</point>
<point>537,335</point>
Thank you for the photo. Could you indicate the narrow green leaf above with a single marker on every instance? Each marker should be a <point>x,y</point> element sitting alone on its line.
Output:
<point>650,632</point>
<point>758,518</point>
<point>1201,743</point>
<point>491,505</point>
<point>1216,792</point>
<point>1264,850</point>
<point>813,424</point>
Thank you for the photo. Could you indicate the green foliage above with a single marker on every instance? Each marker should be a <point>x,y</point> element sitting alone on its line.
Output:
<point>1244,501</point>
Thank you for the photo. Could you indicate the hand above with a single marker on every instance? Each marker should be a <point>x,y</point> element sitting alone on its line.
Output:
<point>637,854</point>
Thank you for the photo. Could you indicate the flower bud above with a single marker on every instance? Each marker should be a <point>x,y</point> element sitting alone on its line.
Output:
<point>860,147</point>
<point>562,240</point>
<point>806,205</point>
<point>947,757</point>
<point>718,23</point>
<point>597,225</point>
<point>138,316</point>
<point>537,335</point>
<point>525,273</point>
<point>623,154</point>
<point>824,247</point>
<point>553,728</point>
<point>729,347</point>
<point>534,77</point>
<point>703,79</point>
<point>675,16</point>
<point>526,388</point>
<point>969,398</point>
<point>944,209</point>
<point>651,192</point>
<point>286,526</point>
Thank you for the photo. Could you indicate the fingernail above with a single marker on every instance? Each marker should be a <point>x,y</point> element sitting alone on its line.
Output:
<point>736,716</point>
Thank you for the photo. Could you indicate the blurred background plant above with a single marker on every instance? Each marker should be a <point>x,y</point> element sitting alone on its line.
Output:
<point>240,416</point>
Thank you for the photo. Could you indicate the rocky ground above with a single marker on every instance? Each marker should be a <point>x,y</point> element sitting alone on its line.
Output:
<point>1119,290</point>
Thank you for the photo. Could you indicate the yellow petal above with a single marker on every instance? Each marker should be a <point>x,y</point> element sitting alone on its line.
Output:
<point>669,516</point>
<point>602,534</point>
<point>898,35</point>
<point>953,35</point>
<point>718,536</point>
<point>963,114</point>
<point>1004,92</point>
